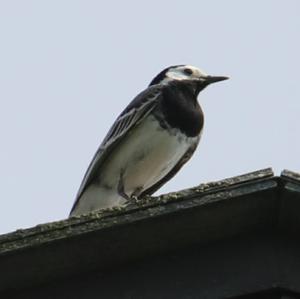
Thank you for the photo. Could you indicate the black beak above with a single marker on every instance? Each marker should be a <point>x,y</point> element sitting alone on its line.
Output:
<point>213,79</point>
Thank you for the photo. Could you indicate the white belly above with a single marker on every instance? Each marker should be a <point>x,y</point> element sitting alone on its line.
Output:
<point>144,157</point>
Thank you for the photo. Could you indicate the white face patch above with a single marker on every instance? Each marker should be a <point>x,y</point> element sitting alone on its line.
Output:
<point>184,72</point>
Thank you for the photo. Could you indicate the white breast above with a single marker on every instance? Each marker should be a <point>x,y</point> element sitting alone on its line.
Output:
<point>145,156</point>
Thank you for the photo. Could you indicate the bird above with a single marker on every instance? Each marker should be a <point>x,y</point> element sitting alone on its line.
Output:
<point>150,141</point>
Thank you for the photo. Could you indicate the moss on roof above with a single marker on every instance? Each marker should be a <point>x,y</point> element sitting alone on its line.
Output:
<point>48,232</point>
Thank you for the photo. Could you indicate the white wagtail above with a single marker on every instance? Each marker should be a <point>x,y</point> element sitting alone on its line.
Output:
<point>150,141</point>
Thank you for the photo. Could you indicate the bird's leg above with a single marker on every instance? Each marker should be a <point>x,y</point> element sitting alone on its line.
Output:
<point>136,193</point>
<point>134,196</point>
<point>121,190</point>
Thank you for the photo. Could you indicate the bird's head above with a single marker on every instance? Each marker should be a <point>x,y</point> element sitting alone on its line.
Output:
<point>186,73</point>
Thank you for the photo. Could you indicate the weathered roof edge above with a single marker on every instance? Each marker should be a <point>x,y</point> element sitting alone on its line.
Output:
<point>292,180</point>
<point>291,175</point>
<point>44,233</point>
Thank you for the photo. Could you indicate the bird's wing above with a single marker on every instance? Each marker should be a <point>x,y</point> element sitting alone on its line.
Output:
<point>133,114</point>
<point>187,155</point>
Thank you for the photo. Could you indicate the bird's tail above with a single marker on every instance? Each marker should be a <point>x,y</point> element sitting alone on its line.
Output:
<point>96,198</point>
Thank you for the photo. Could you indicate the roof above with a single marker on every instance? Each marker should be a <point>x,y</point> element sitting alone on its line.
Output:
<point>208,213</point>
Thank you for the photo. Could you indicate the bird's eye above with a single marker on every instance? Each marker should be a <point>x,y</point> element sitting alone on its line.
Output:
<point>188,71</point>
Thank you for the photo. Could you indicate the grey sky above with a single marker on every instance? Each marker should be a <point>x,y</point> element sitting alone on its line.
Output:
<point>68,68</point>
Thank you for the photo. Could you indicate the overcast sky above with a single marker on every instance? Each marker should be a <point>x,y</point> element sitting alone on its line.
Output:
<point>68,68</point>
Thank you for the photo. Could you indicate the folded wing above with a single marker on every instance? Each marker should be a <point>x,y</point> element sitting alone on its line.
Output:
<point>134,113</point>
